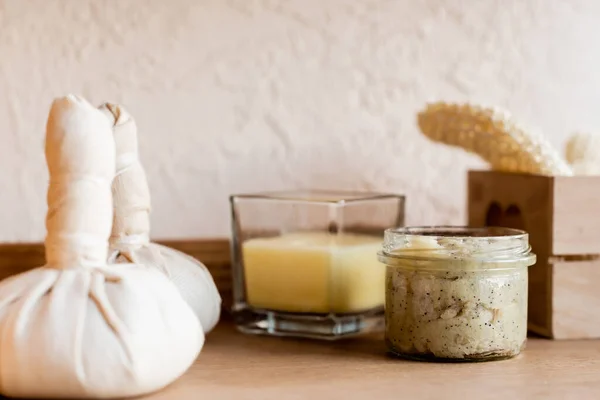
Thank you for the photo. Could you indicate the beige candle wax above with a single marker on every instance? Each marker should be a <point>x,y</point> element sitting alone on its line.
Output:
<point>314,272</point>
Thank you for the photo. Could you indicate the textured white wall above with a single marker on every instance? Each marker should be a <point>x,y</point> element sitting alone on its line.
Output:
<point>241,95</point>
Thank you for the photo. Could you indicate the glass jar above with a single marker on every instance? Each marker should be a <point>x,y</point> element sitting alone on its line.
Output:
<point>456,293</point>
<point>305,262</point>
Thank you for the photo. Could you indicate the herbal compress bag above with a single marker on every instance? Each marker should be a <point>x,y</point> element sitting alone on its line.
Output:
<point>131,225</point>
<point>79,327</point>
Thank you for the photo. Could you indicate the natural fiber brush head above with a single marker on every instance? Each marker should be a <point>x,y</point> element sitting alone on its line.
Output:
<point>492,134</point>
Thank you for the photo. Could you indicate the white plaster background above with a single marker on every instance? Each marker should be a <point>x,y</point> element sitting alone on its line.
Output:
<point>240,95</point>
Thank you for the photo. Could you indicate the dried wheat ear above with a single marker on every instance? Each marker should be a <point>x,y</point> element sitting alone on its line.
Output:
<point>493,135</point>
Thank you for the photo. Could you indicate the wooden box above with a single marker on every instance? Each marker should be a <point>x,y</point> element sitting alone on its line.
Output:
<point>562,216</point>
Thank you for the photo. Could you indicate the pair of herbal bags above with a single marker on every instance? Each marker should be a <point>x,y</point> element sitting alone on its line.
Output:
<point>99,321</point>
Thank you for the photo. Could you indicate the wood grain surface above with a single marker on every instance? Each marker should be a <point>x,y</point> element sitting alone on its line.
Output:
<point>241,367</point>
<point>576,301</point>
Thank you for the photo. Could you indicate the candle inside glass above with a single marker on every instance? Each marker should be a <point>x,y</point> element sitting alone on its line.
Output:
<point>305,263</point>
<point>314,272</point>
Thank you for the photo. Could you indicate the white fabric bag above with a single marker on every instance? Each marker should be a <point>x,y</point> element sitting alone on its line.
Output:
<point>78,327</point>
<point>131,226</point>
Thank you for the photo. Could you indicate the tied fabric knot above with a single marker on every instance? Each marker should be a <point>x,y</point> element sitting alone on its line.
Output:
<point>130,240</point>
<point>73,250</point>
<point>129,247</point>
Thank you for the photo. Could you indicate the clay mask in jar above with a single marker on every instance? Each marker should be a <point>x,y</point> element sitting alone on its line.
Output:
<point>455,293</point>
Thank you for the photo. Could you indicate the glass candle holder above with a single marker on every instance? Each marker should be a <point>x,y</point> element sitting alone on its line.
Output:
<point>456,293</point>
<point>305,263</point>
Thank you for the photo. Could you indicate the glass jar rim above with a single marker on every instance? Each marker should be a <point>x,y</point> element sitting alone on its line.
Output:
<point>486,245</point>
<point>438,231</point>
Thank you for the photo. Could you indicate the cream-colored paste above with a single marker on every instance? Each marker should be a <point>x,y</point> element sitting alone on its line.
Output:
<point>463,311</point>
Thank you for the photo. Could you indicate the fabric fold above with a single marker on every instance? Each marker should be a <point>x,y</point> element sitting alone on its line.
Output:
<point>131,225</point>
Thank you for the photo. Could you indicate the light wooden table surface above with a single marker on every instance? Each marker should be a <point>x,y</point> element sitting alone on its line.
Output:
<point>233,366</point>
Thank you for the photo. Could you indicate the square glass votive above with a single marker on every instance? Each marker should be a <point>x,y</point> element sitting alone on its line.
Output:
<point>305,262</point>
